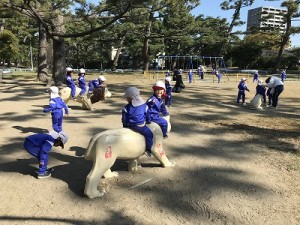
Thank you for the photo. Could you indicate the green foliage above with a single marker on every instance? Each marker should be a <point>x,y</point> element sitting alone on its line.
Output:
<point>245,54</point>
<point>91,29</point>
<point>9,46</point>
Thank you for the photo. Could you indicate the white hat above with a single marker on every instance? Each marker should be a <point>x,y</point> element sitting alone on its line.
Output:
<point>243,79</point>
<point>168,79</point>
<point>159,85</point>
<point>259,82</point>
<point>102,78</point>
<point>54,134</point>
<point>62,135</point>
<point>69,69</point>
<point>53,92</point>
<point>134,94</point>
<point>82,70</point>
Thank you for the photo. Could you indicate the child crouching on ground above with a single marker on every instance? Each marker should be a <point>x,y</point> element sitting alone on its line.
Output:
<point>135,115</point>
<point>156,107</point>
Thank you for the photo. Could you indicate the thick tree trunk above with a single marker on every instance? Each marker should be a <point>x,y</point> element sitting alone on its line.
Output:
<point>59,52</point>
<point>146,54</point>
<point>42,73</point>
<point>59,61</point>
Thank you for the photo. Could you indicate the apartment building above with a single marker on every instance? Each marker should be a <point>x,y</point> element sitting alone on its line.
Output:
<point>266,17</point>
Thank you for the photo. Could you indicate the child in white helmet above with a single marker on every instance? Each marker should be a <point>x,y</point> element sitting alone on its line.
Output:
<point>70,82</point>
<point>135,115</point>
<point>157,107</point>
<point>81,82</point>
<point>56,106</point>
<point>241,91</point>
<point>100,82</point>
<point>190,75</point>
<point>168,99</point>
<point>39,145</point>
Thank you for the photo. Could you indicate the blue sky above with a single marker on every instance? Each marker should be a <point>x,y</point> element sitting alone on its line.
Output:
<point>212,8</point>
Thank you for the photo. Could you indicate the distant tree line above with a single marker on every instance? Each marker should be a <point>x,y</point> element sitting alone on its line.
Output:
<point>82,34</point>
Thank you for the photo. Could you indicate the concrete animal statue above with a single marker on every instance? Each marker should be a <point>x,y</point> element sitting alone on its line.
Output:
<point>86,100</point>
<point>105,147</point>
<point>256,102</point>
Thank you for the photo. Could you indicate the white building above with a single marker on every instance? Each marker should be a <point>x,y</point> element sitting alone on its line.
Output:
<point>266,17</point>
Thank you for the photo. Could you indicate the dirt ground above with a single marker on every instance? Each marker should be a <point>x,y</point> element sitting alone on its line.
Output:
<point>233,165</point>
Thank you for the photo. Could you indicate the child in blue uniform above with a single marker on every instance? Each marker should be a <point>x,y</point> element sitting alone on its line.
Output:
<point>81,82</point>
<point>157,107</point>
<point>39,145</point>
<point>135,115</point>
<point>218,75</point>
<point>168,99</point>
<point>100,82</point>
<point>283,75</point>
<point>241,93</point>
<point>255,76</point>
<point>56,106</point>
<point>190,75</point>
<point>261,90</point>
<point>70,82</point>
<point>168,73</point>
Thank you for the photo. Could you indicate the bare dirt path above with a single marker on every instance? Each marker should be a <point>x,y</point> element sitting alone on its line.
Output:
<point>233,165</point>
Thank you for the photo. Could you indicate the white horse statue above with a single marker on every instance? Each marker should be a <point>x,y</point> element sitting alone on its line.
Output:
<point>86,100</point>
<point>256,102</point>
<point>105,147</point>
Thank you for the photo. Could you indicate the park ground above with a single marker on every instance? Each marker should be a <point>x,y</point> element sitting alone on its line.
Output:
<point>233,165</point>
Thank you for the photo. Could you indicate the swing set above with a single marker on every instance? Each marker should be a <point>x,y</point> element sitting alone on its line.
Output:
<point>192,62</point>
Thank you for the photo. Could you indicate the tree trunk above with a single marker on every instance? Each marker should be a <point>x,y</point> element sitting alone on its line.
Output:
<point>42,73</point>
<point>146,48</point>
<point>147,40</point>
<point>285,40</point>
<point>59,52</point>
<point>59,61</point>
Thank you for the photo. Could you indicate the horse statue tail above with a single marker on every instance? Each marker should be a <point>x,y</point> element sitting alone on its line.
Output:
<point>88,153</point>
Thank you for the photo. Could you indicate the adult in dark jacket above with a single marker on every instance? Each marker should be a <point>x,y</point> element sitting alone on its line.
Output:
<point>179,83</point>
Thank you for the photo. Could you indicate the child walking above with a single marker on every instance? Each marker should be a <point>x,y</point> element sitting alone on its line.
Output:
<point>283,75</point>
<point>135,115</point>
<point>241,93</point>
<point>56,106</point>
<point>157,107</point>
<point>39,145</point>
<point>190,75</point>
<point>70,82</point>
<point>218,75</point>
<point>255,76</point>
<point>81,82</point>
<point>168,99</point>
